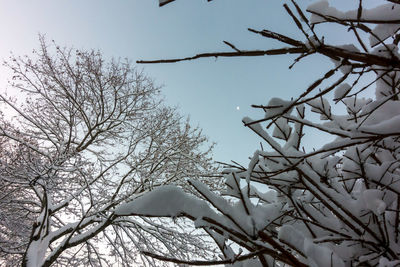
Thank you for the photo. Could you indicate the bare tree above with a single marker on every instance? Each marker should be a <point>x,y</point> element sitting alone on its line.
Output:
<point>335,206</point>
<point>89,135</point>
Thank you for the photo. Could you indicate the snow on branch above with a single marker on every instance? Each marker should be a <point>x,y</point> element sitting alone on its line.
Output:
<point>337,205</point>
<point>165,201</point>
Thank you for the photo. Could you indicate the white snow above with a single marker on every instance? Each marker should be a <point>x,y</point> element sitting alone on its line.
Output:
<point>380,13</point>
<point>341,91</point>
<point>277,106</point>
<point>390,126</point>
<point>290,235</point>
<point>384,262</point>
<point>282,129</point>
<point>167,201</point>
<point>321,256</point>
<point>373,201</point>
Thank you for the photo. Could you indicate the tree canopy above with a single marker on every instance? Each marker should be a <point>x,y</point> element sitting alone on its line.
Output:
<point>89,135</point>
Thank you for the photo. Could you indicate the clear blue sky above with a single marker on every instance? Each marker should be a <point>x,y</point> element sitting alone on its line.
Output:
<point>208,90</point>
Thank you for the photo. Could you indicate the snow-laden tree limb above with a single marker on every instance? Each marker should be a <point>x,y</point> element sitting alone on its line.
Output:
<point>338,205</point>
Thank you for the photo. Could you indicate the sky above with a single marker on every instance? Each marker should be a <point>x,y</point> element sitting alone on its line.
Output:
<point>215,93</point>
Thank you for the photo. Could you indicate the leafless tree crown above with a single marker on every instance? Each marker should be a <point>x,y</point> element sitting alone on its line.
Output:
<point>88,136</point>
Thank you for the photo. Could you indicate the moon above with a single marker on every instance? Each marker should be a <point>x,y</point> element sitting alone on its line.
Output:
<point>237,108</point>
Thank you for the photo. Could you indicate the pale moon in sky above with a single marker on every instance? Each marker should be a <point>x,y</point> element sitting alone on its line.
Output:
<point>237,108</point>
